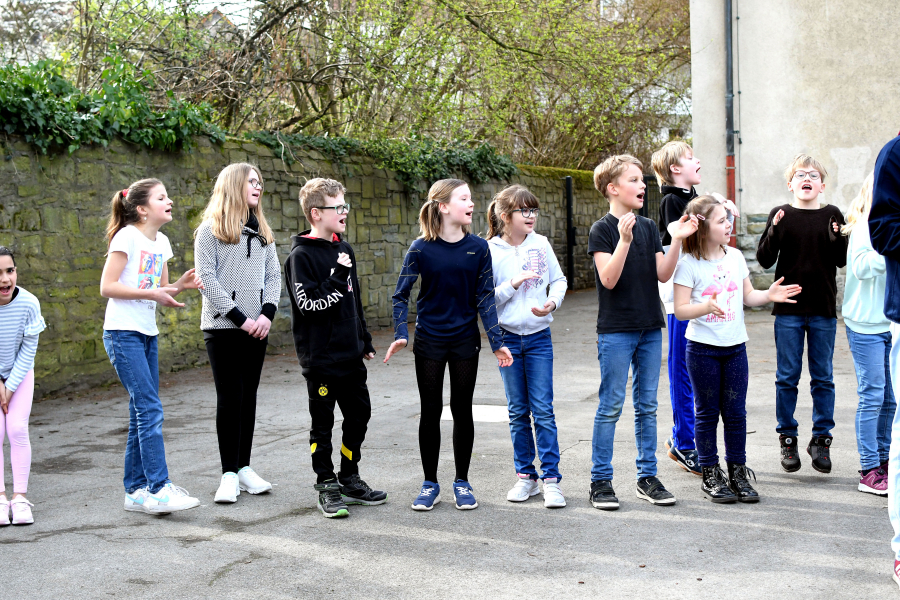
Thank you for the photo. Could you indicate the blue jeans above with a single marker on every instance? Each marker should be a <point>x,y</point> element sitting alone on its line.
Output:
<point>680,390</point>
<point>875,413</point>
<point>134,356</point>
<point>789,336</point>
<point>720,376</point>
<point>642,351</point>
<point>529,392</point>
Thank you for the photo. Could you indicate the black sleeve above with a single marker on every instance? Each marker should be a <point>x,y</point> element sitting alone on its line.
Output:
<point>268,311</point>
<point>308,294</point>
<point>884,218</point>
<point>237,317</point>
<point>769,242</point>
<point>837,243</point>
<point>601,240</point>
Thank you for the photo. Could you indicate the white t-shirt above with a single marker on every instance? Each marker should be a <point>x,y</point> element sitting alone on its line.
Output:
<point>146,259</point>
<point>725,277</point>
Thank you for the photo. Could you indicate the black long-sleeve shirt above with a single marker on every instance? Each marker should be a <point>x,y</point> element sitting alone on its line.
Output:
<point>671,207</point>
<point>809,253</point>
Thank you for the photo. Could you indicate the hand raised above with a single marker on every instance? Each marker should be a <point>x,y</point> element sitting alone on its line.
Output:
<point>783,293</point>
<point>504,357</point>
<point>684,227</point>
<point>522,278</point>
<point>778,217</point>
<point>549,307</point>
<point>190,280</point>
<point>397,346</point>
<point>344,259</point>
<point>626,225</point>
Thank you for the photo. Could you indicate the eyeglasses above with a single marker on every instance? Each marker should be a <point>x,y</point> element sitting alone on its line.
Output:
<point>255,183</point>
<point>528,212</point>
<point>340,209</point>
<point>801,175</point>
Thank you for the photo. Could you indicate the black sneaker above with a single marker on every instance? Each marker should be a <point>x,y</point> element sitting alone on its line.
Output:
<point>739,482</point>
<point>715,486</point>
<point>819,450</point>
<point>330,502</point>
<point>603,496</point>
<point>356,491</point>
<point>686,459</point>
<point>790,458</point>
<point>652,490</point>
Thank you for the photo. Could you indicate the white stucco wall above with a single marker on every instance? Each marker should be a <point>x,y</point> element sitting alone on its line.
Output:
<point>815,76</point>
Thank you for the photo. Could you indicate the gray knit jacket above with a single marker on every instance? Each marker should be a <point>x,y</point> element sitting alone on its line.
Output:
<point>240,280</point>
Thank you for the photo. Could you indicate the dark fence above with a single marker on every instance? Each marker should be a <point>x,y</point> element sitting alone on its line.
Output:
<point>652,198</point>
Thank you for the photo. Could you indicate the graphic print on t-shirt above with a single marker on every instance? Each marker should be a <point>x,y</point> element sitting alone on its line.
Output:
<point>149,270</point>
<point>724,287</point>
<point>535,260</point>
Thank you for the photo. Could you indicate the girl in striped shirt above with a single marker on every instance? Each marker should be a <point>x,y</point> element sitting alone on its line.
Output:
<point>20,324</point>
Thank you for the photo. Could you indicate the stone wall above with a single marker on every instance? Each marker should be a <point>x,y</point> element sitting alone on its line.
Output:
<point>53,213</point>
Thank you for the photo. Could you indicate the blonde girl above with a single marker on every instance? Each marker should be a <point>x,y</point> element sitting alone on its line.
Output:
<point>235,258</point>
<point>868,332</point>
<point>457,285</point>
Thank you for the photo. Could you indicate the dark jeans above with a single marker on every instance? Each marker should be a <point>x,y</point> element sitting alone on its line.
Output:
<point>352,397</point>
<point>819,332</point>
<point>236,359</point>
<point>719,379</point>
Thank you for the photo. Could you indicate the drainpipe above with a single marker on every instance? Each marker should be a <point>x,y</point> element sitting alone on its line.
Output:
<point>729,114</point>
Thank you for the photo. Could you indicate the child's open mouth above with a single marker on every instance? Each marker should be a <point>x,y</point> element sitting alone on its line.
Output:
<point>641,196</point>
<point>806,186</point>
<point>5,290</point>
<point>342,220</point>
<point>469,214</point>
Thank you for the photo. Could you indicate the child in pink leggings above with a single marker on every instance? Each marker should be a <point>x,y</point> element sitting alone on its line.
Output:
<point>20,325</point>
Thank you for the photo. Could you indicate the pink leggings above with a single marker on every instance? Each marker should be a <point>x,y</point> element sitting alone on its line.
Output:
<point>15,423</point>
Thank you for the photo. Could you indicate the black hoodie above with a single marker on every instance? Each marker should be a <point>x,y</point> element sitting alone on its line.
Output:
<point>671,207</point>
<point>327,320</point>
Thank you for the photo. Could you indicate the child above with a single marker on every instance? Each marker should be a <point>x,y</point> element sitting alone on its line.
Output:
<point>705,294</point>
<point>331,339</point>
<point>868,332</point>
<point>236,261</point>
<point>457,284</point>
<point>523,266</point>
<point>136,278</point>
<point>20,324</point>
<point>628,263</point>
<point>804,238</point>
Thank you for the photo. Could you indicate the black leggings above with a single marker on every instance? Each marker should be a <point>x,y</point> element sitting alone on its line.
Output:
<point>237,361</point>
<point>430,378</point>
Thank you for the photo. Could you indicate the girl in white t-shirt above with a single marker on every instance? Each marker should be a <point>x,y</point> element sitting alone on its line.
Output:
<point>136,278</point>
<point>712,285</point>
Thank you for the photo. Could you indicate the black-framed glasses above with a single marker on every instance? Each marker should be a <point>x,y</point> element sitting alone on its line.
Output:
<point>255,183</point>
<point>529,212</point>
<point>340,209</point>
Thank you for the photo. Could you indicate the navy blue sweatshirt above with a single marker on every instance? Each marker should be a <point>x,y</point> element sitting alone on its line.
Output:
<point>457,285</point>
<point>884,222</point>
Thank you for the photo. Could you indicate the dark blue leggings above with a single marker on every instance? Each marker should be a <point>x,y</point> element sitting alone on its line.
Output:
<point>719,379</point>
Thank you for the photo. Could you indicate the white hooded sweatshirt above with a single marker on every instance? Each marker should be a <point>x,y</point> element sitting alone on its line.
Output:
<point>514,305</point>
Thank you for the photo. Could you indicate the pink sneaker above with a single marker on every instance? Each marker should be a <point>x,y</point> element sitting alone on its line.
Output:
<point>21,511</point>
<point>874,482</point>
<point>4,512</point>
<point>896,575</point>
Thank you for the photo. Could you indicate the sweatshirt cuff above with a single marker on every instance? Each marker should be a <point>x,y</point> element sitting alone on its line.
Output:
<point>11,384</point>
<point>504,291</point>
<point>236,316</point>
<point>368,348</point>
<point>268,310</point>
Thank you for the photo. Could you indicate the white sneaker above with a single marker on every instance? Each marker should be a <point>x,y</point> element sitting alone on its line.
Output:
<point>4,512</point>
<point>252,483</point>
<point>553,497</point>
<point>170,498</point>
<point>229,489</point>
<point>137,500</point>
<point>21,511</point>
<point>524,489</point>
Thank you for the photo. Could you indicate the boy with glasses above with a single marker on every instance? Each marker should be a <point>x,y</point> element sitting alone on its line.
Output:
<point>804,238</point>
<point>331,339</point>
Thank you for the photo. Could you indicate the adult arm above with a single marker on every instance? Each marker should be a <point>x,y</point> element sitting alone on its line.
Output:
<point>884,218</point>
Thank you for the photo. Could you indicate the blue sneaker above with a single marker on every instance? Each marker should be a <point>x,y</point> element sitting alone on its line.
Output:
<point>689,460</point>
<point>465,499</point>
<point>428,497</point>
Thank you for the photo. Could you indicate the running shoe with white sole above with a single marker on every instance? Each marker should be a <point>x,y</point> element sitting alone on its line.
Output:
<point>603,496</point>
<point>356,491</point>
<point>428,496</point>
<point>4,512</point>
<point>553,496</point>
<point>21,511</point>
<point>525,488</point>
<point>170,498</point>
<point>136,501</point>
<point>229,490</point>
<point>465,497</point>
<point>330,503</point>
<point>252,483</point>
<point>653,491</point>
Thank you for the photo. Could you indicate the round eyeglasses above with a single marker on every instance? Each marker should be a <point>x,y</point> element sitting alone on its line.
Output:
<point>528,212</point>
<point>801,175</point>
<point>340,209</point>
<point>255,183</point>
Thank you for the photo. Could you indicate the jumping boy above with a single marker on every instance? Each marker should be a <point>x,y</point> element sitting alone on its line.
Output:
<point>628,263</point>
<point>331,339</point>
<point>804,237</point>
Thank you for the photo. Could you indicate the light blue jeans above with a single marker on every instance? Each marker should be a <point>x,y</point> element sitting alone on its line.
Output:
<point>875,413</point>
<point>528,383</point>
<point>642,351</point>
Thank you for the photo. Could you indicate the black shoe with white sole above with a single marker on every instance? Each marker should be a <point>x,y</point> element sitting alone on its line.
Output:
<point>652,490</point>
<point>330,503</point>
<point>356,491</point>
<point>603,496</point>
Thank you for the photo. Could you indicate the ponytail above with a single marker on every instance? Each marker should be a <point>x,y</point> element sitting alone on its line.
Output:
<point>494,222</point>
<point>124,203</point>
<point>507,200</point>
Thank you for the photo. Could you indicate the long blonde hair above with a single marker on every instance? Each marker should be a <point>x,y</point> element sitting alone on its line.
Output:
<point>227,209</point>
<point>430,214</point>
<point>859,208</point>
<point>505,202</point>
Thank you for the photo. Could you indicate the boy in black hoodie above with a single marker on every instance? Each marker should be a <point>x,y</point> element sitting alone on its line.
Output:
<point>331,340</point>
